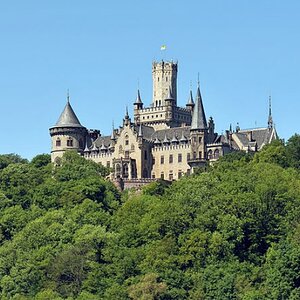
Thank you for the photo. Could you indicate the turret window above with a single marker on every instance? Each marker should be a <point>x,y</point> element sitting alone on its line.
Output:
<point>58,143</point>
<point>171,159</point>
<point>69,142</point>
<point>162,160</point>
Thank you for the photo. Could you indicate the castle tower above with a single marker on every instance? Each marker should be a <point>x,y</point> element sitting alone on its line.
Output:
<point>198,133</point>
<point>164,75</point>
<point>67,134</point>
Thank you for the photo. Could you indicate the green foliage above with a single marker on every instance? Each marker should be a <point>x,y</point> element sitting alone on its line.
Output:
<point>41,160</point>
<point>7,159</point>
<point>293,151</point>
<point>230,232</point>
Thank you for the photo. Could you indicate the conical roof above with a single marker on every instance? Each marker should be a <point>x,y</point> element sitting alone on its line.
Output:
<point>191,101</point>
<point>138,98</point>
<point>198,119</point>
<point>68,118</point>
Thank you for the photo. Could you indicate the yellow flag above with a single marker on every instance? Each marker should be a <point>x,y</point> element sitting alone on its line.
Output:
<point>163,47</point>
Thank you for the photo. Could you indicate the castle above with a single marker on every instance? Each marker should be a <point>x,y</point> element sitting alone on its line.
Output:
<point>162,141</point>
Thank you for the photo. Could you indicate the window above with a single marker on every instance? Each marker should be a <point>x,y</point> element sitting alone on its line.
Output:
<point>158,79</point>
<point>179,157</point>
<point>188,156</point>
<point>153,176</point>
<point>171,175</point>
<point>162,160</point>
<point>162,175</point>
<point>200,139</point>
<point>166,78</point>
<point>69,142</point>
<point>132,147</point>
<point>210,154</point>
<point>126,142</point>
<point>58,143</point>
<point>120,148</point>
<point>217,154</point>
<point>108,164</point>
<point>171,159</point>
<point>126,154</point>
<point>200,154</point>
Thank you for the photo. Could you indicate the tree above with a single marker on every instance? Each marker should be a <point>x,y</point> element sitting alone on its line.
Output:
<point>293,151</point>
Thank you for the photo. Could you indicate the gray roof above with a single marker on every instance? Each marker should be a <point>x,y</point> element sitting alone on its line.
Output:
<point>170,133</point>
<point>103,140</point>
<point>138,98</point>
<point>261,136</point>
<point>198,119</point>
<point>191,101</point>
<point>68,118</point>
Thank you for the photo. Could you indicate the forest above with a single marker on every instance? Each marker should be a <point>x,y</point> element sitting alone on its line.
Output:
<point>229,231</point>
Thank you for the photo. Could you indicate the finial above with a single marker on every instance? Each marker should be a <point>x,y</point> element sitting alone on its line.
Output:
<point>198,81</point>
<point>68,96</point>
<point>127,115</point>
<point>191,86</point>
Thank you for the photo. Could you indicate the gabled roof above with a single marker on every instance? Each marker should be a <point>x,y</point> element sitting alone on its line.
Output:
<point>198,119</point>
<point>68,118</point>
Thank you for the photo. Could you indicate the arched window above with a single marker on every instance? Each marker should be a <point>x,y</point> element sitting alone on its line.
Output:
<point>120,148</point>
<point>118,170</point>
<point>58,142</point>
<point>217,154</point>
<point>70,142</point>
<point>132,147</point>
<point>209,154</point>
<point>125,168</point>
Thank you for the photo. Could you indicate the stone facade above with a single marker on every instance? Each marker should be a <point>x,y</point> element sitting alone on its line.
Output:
<point>163,141</point>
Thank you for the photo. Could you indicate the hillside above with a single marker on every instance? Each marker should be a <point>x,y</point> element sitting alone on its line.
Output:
<point>231,231</point>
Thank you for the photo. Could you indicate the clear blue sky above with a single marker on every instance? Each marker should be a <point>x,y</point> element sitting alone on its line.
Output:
<point>243,51</point>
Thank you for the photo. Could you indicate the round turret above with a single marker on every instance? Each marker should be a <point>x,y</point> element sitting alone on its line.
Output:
<point>67,134</point>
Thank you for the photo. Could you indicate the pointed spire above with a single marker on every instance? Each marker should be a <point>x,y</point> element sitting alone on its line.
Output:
<point>174,139</point>
<point>95,148</point>
<point>86,149</point>
<point>198,119</point>
<point>190,100</point>
<point>140,131</point>
<point>68,117</point>
<point>169,97</point>
<point>183,138</point>
<point>138,98</point>
<point>112,137</point>
<point>270,118</point>
<point>103,147</point>
<point>126,114</point>
<point>166,140</point>
<point>156,141</point>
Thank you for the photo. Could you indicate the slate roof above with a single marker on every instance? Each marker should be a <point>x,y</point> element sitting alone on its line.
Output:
<point>261,136</point>
<point>198,118</point>
<point>68,118</point>
<point>170,133</point>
